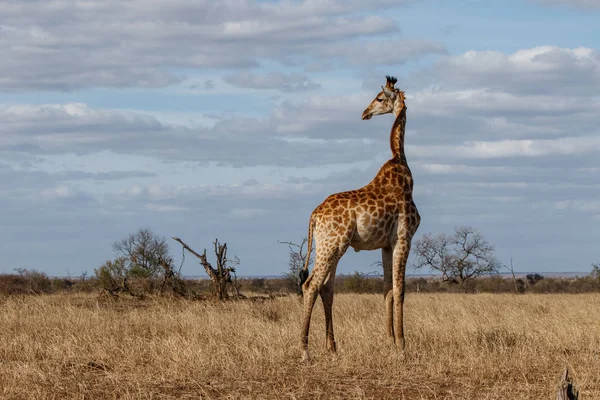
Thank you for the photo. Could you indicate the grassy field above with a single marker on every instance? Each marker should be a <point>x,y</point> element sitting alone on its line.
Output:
<point>458,347</point>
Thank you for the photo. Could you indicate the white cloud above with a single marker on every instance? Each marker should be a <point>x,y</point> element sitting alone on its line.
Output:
<point>225,198</point>
<point>548,70</point>
<point>585,4</point>
<point>10,176</point>
<point>454,124</point>
<point>513,148</point>
<point>580,205</point>
<point>247,212</point>
<point>450,169</point>
<point>59,192</point>
<point>382,51</point>
<point>65,45</point>
<point>292,82</point>
<point>164,208</point>
<point>487,102</point>
<point>79,129</point>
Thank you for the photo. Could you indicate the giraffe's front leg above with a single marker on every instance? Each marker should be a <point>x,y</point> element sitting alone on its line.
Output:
<point>400,257</point>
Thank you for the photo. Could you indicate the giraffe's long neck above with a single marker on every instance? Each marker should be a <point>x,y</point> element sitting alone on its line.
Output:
<point>397,133</point>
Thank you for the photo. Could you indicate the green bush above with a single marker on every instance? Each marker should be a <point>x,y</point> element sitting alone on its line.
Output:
<point>112,275</point>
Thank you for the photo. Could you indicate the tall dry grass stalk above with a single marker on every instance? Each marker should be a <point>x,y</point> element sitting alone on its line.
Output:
<point>458,347</point>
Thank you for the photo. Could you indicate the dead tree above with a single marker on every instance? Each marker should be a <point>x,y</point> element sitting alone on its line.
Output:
<point>566,390</point>
<point>297,261</point>
<point>223,276</point>
<point>511,269</point>
<point>172,279</point>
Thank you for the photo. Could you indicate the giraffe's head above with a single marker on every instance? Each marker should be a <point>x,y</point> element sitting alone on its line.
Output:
<point>386,101</point>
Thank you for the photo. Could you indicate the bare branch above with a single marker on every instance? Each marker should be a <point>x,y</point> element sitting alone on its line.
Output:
<point>220,276</point>
<point>297,260</point>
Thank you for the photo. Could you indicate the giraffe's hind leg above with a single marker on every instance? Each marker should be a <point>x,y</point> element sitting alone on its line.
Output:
<point>310,296</point>
<point>328,254</point>
<point>325,265</point>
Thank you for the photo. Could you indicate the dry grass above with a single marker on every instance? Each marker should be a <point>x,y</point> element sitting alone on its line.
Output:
<point>458,347</point>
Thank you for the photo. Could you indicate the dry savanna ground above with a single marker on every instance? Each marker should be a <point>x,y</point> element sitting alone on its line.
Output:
<point>458,347</point>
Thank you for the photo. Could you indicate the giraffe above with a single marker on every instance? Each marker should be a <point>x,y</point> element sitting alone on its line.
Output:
<point>381,215</point>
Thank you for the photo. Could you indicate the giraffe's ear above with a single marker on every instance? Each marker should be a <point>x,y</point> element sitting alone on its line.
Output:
<point>390,94</point>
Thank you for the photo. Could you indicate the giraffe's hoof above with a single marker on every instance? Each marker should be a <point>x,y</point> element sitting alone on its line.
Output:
<point>305,356</point>
<point>332,347</point>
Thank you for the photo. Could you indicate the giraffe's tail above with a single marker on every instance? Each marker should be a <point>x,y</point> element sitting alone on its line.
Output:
<point>304,271</point>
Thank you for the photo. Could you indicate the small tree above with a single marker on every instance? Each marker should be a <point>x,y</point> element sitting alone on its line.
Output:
<point>297,260</point>
<point>144,252</point>
<point>113,276</point>
<point>142,258</point>
<point>518,288</point>
<point>459,257</point>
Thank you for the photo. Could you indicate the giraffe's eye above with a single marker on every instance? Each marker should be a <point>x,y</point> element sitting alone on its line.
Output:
<point>379,100</point>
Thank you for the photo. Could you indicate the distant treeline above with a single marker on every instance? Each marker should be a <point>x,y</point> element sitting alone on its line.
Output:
<point>34,282</point>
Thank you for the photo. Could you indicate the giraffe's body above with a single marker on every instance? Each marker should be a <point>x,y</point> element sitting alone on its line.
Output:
<point>372,213</point>
<point>380,215</point>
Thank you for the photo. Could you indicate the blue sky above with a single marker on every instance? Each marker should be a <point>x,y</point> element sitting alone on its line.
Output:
<point>235,119</point>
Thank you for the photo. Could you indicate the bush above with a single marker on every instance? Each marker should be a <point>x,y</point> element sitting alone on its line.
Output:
<point>595,274</point>
<point>532,279</point>
<point>61,284</point>
<point>112,275</point>
<point>256,285</point>
<point>494,284</point>
<point>37,282</point>
<point>143,265</point>
<point>360,283</point>
<point>551,286</point>
<point>25,282</point>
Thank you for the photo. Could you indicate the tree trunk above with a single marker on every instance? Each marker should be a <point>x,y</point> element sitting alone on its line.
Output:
<point>221,289</point>
<point>220,276</point>
<point>566,390</point>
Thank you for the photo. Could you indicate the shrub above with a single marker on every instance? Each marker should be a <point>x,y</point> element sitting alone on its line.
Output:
<point>143,265</point>
<point>532,279</point>
<point>25,282</point>
<point>112,275</point>
<point>61,284</point>
<point>255,285</point>
<point>360,283</point>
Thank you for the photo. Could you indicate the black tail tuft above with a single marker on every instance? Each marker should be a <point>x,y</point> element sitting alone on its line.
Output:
<point>303,277</point>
